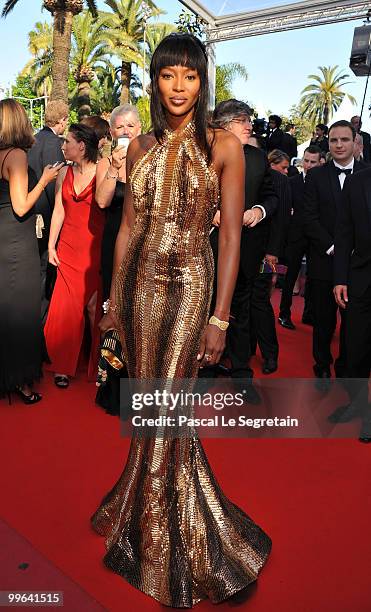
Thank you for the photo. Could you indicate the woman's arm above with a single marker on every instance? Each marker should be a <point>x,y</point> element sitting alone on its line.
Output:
<point>57,220</point>
<point>232,187</point>
<point>16,171</point>
<point>229,156</point>
<point>107,174</point>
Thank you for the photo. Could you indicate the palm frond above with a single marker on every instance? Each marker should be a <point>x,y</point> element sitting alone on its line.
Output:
<point>8,7</point>
<point>93,8</point>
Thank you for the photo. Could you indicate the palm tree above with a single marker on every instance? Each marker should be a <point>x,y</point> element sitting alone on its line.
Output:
<point>89,52</point>
<point>323,96</point>
<point>63,12</point>
<point>105,92</point>
<point>39,68</point>
<point>124,35</point>
<point>155,32</point>
<point>225,75</point>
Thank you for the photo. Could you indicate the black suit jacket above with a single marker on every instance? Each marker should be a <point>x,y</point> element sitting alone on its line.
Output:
<point>322,201</point>
<point>275,140</point>
<point>281,218</point>
<point>46,150</point>
<point>322,144</point>
<point>289,145</point>
<point>352,259</point>
<point>259,189</point>
<point>295,230</point>
<point>366,146</point>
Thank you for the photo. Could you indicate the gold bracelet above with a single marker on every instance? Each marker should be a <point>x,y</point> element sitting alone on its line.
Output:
<point>222,325</point>
<point>41,185</point>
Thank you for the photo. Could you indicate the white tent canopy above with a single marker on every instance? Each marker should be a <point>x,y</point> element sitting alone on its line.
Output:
<point>232,19</point>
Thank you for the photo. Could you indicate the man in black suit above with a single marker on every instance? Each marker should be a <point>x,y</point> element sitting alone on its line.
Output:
<point>357,124</point>
<point>47,150</point>
<point>275,136</point>
<point>352,280</point>
<point>297,242</point>
<point>290,144</point>
<point>322,200</point>
<point>320,138</point>
<point>263,328</point>
<point>260,203</point>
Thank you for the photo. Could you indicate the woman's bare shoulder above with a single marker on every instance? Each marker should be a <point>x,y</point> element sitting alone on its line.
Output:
<point>140,145</point>
<point>14,156</point>
<point>63,171</point>
<point>222,138</point>
<point>225,146</point>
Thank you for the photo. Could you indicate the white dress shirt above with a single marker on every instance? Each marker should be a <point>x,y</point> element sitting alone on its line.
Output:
<point>342,178</point>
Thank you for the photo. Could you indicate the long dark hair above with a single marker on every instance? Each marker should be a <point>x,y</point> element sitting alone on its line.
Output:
<point>179,49</point>
<point>86,134</point>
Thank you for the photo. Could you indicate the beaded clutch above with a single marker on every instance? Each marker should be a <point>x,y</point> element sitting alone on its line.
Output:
<point>110,354</point>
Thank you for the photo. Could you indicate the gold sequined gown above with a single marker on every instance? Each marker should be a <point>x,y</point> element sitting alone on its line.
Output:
<point>170,530</point>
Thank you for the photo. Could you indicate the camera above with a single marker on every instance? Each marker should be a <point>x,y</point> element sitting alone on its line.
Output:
<point>123,141</point>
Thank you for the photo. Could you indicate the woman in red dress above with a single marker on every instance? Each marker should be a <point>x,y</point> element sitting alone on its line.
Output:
<point>78,222</point>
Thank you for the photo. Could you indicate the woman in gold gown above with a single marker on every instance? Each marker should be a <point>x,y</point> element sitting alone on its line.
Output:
<point>169,529</point>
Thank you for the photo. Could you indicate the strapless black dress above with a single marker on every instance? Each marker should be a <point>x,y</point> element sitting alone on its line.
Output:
<point>21,338</point>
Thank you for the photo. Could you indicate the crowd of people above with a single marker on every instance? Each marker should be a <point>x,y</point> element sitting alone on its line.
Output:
<point>181,247</point>
<point>289,217</point>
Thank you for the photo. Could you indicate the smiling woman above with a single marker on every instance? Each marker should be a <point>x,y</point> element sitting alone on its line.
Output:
<point>170,530</point>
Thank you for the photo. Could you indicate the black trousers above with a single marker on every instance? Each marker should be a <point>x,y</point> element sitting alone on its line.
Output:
<point>263,326</point>
<point>238,336</point>
<point>358,335</point>
<point>358,345</point>
<point>324,325</point>
<point>239,332</point>
<point>295,252</point>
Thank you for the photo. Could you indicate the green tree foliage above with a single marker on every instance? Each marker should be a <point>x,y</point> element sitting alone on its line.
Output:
<point>225,75</point>
<point>89,55</point>
<point>124,30</point>
<point>105,91</point>
<point>191,24</point>
<point>23,91</point>
<point>101,51</point>
<point>155,32</point>
<point>143,106</point>
<point>63,12</point>
<point>39,68</point>
<point>324,95</point>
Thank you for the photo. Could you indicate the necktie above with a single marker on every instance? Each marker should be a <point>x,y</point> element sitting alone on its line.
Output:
<point>343,170</point>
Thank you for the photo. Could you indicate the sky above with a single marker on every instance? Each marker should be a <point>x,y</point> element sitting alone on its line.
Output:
<point>278,64</point>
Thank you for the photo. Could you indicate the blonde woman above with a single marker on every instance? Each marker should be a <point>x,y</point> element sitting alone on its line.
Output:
<point>20,322</point>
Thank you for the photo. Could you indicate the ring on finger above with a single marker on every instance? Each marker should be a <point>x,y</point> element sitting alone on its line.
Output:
<point>207,356</point>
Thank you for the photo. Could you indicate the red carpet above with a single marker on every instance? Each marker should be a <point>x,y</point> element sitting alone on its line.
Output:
<point>60,457</point>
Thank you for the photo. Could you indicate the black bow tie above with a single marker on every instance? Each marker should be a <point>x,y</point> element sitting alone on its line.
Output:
<point>343,170</point>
